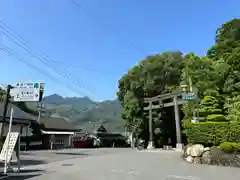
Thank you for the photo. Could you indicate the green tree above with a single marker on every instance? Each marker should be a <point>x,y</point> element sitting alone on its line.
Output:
<point>233,109</point>
<point>210,109</point>
<point>228,32</point>
<point>155,75</point>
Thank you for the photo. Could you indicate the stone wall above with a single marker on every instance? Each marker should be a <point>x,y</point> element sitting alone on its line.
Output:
<point>199,154</point>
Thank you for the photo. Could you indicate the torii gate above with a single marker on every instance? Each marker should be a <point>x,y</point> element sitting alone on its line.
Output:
<point>176,101</point>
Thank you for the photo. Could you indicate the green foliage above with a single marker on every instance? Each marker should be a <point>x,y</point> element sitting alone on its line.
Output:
<point>226,146</point>
<point>229,31</point>
<point>212,133</point>
<point>208,133</point>
<point>215,79</point>
<point>203,74</point>
<point>234,132</point>
<point>216,117</point>
<point>232,107</point>
<point>210,109</point>
<point>230,147</point>
<point>155,75</point>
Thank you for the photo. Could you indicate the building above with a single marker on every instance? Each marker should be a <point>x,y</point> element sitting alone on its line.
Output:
<point>20,123</point>
<point>109,139</point>
<point>57,132</point>
<point>49,133</point>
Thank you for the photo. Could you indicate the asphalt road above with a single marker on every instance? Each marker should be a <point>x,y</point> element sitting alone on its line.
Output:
<point>122,164</point>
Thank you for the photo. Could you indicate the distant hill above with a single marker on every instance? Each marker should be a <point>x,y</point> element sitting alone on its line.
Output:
<point>84,112</point>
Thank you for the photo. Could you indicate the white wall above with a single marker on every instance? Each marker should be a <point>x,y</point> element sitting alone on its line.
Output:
<point>65,139</point>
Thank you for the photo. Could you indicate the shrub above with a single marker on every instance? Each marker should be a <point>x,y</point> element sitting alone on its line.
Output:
<point>227,147</point>
<point>211,133</point>
<point>235,146</point>
<point>216,117</point>
<point>230,146</point>
<point>207,133</point>
<point>234,132</point>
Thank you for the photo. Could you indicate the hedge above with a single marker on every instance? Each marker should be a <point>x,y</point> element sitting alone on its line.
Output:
<point>212,133</point>
<point>230,147</point>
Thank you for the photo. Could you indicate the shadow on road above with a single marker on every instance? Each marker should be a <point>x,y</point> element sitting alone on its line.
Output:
<point>22,171</point>
<point>25,153</point>
<point>28,162</point>
<point>72,154</point>
<point>22,175</point>
<point>19,177</point>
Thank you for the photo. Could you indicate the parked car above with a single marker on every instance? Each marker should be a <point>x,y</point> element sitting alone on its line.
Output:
<point>83,141</point>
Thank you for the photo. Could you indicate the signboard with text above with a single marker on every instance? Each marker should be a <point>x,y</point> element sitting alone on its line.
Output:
<point>27,92</point>
<point>188,96</point>
<point>8,146</point>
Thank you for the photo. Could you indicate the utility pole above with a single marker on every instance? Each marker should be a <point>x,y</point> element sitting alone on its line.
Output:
<point>191,91</point>
<point>41,111</point>
<point>9,87</point>
<point>190,85</point>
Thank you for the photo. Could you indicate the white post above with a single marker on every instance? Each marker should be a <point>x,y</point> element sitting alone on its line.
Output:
<point>7,140</point>
<point>52,141</point>
<point>190,84</point>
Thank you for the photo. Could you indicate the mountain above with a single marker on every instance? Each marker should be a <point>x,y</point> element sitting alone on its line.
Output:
<point>84,112</point>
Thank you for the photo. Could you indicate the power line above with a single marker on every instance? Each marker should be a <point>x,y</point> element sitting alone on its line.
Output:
<point>46,61</point>
<point>42,71</point>
<point>100,21</point>
<point>43,58</point>
<point>84,67</point>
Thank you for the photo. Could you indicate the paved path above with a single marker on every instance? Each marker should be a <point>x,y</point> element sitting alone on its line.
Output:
<point>130,165</point>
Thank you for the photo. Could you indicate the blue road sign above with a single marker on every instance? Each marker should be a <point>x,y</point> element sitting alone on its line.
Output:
<point>188,96</point>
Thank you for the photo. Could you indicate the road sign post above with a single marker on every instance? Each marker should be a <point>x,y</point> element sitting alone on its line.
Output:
<point>188,96</point>
<point>9,146</point>
<point>28,92</point>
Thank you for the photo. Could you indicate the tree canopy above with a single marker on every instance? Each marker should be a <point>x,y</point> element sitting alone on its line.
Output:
<point>215,78</point>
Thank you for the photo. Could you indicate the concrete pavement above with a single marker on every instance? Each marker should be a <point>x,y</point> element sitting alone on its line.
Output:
<point>119,164</point>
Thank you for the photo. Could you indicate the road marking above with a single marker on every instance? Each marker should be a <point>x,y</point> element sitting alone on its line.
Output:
<point>126,172</point>
<point>117,170</point>
<point>172,177</point>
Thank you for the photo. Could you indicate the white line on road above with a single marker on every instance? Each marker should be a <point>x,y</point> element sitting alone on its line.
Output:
<point>182,177</point>
<point>125,172</point>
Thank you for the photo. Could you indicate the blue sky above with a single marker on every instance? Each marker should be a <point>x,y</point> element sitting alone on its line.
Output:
<point>66,33</point>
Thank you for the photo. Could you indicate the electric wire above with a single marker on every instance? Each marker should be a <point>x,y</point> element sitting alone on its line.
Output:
<point>42,71</point>
<point>101,22</point>
<point>17,39</point>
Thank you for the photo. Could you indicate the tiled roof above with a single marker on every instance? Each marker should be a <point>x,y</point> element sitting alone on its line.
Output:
<point>59,124</point>
<point>17,112</point>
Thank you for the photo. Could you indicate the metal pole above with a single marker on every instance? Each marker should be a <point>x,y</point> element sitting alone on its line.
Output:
<point>18,153</point>
<point>40,106</point>
<point>150,144</point>
<point>178,125</point>
<point>190,84</point>
<point>39,116</point>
